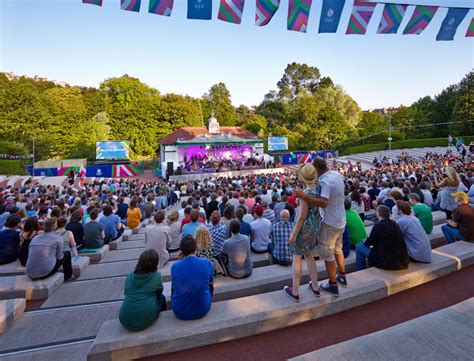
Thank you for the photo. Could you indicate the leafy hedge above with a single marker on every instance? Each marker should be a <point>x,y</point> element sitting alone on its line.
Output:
<point>412,143</point>
<point>12,167</point>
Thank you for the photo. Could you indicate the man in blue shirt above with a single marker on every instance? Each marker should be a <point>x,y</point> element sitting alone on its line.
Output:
<point>244,226</point>
<point>280,234</point>
<point>113,228</point>
<point>190,228</point>
<point>192,283</point>
<point>10,240</point>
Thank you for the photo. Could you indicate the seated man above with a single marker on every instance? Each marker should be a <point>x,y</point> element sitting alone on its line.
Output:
<point>190,228</point>
<point>158,237</point>
<point>280,234</point>
<point>192,283</point>
<point>218,233</point>
<point>46,255</point>
<point>261,229</point>
<point>461,227</point>
<point>94,232</point>
<point>422,212</point>
<point>354,225</point>
<point>418,244</point>
<point>385,248</point>
<point>10,240</point>
<point>236,252</point>
<point>244,226</point>
<point>113,228</point>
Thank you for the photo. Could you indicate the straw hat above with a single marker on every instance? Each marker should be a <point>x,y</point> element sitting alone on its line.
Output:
<point>308,173</point>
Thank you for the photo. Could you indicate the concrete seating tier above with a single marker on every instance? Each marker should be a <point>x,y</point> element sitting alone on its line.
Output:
<point>25,287</point>
<point>10,311</point>
<point>75,351</point>
<point>132,244</point>
<point>417,343</point>
<point>16,269</point>
<point>96,255</point>
<point>79,265</point>
<point>137,237</point>
<point>256,314</point>
<point>113,245</point>
<point>263,279</point>
<point>126,234</point>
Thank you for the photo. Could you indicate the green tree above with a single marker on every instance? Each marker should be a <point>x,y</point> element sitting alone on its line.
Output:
<point>218,102</point>
<point>372,123</point>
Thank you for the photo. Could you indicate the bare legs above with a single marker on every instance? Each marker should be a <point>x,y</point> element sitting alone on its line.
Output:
<point>297,271</point>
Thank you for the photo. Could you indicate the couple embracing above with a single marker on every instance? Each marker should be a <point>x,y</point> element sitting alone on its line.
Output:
<point>320,225</point>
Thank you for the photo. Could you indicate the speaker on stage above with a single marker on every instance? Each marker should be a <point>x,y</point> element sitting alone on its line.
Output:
<point>179,171</point>
<point>169,167</point>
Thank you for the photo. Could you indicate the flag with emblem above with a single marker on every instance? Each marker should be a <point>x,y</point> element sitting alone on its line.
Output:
<point>93,2</point>
<point>391,18</point>
<point>470,29</point>
<point>420,19</point>
<point>130,5</point>
<point>231,11</point>
<point>298,14</point>
<point>360,17</point>
<point>451,22</point>
<point>265,9</point>
<point>330,15</point>
<point>200,9</point>
<point>161,7</point>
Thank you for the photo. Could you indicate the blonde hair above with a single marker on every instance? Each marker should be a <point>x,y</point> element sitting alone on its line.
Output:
<point>452,175</point>
<point>173,217</point>
<point>203,238</point>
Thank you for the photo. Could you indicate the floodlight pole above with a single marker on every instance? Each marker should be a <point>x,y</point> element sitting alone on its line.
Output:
<point>33,168</point>
<point>389,133</point>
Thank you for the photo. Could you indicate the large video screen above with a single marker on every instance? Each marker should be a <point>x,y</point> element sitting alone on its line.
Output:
<point>112,150</point>
<point>278,143</point>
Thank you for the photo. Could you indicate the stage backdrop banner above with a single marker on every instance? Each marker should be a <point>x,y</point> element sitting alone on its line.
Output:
<point>305,157</point>
<point>265,9</point>
<point>104,171</point>
<point>360,17</point>
<point>231,11</point>
<point>93,2</point>
<point>200,9</point>
<point>161,7</point>
<point>330,15</point>
<point>298,14</point>
<point>450,24</point>
<point>470,29</point>
<point>391,18</point>
<point>420,19</point>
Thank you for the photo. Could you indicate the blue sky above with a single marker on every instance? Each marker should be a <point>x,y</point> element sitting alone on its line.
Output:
<point>83,45</point>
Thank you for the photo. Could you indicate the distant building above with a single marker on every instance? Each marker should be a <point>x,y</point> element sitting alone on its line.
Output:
<point>382,111</point>
<point>12,76</point>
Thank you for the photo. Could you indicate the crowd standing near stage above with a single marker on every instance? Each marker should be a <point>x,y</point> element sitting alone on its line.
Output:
<point>216,224</point>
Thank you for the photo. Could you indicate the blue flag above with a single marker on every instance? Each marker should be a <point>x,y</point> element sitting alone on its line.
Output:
<point>330,15</point>
<point>200,9</point>
<point>450,24</point>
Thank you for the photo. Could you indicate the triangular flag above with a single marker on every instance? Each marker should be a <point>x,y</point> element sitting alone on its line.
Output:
<point>330,15</point>
<point>470,29</point>
<point>93,2</point>
<point>231,11</point>
<point>360,17</point>
<point>265,9</point>
<point>450,24</point>
<point>420,19</point>
<point>298,14</point>
<point>391,18</point>
<point>200,9</point>
<point>161,7</point>
<point>130,5</point>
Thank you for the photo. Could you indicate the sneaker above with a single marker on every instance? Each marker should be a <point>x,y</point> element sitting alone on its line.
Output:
<point>341,280</point>
<point>315,291</point>
<point>289,293</point>
<point>329,289</point>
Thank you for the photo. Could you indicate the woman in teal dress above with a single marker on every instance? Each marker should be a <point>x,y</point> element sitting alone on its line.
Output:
<point>304,237</point>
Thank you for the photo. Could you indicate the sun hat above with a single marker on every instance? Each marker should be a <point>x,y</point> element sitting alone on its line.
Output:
<point>308,173</point>
<point>461,196</point>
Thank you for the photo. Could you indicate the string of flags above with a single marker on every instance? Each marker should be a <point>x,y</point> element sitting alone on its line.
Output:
<point>231,11</point>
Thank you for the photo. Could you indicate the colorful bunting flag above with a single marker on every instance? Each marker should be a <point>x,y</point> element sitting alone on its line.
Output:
<point>161,7</point>
<point>391,18</point>
<point>231,11</point>
<point>130,5</point>
<point>93,2</point>
<point>470,29</point>
<point>420,19</point>
<point>265,11</point>
<point>450,24</point>
<point>360,17</point>
<point>200,9</point>
<point>330,15</point>
<point>298,13</point>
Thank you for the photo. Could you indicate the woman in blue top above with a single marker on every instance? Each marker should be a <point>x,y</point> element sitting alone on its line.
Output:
<point>304,237</point>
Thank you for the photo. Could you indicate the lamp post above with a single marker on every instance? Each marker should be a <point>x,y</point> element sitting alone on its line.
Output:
<point>33,168</point>
<point>389,133</point>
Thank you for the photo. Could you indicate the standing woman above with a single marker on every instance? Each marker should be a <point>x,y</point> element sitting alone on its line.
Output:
<point>304,237</point>
<point>134,215</point>
<point>448,186</point>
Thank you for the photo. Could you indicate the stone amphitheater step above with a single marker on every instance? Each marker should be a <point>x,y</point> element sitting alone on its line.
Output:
<point>256,314</point>
<point>96,255</point>
<point>25,287</point>
<point>10,311</point>
<point>263,279</point>
<point>75,351</point>
<point>418,344</point>
<point>16,269</point>
<point>132,244</point>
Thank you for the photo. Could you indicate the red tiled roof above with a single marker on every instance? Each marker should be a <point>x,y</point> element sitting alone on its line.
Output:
<point>189,133</point>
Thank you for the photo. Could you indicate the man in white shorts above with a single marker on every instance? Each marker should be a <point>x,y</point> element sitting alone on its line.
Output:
<point>331,203</point>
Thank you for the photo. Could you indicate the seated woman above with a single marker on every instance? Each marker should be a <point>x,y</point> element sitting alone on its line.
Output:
<point>144,298</point>
<point>175,227</point>
<point>30,230</point>
<point>10,240</point>
<point>94,232</point>
<point>134,215</point>
<point>68,238</point>
<point>76,227</point>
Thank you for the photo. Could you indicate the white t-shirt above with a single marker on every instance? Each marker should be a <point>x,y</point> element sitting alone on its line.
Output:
<point>261,229</point>
<point>332,188</point>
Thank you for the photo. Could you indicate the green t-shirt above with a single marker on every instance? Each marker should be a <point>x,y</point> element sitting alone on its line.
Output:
<point>355,226</point>
<point>141,308</point>
<point>423,213</point>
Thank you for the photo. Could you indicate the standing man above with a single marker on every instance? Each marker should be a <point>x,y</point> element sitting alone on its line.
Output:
<point>333,213</point>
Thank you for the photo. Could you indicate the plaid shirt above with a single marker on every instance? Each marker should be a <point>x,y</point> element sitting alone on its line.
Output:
<point>218,236</point>
<point>280,234</point>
